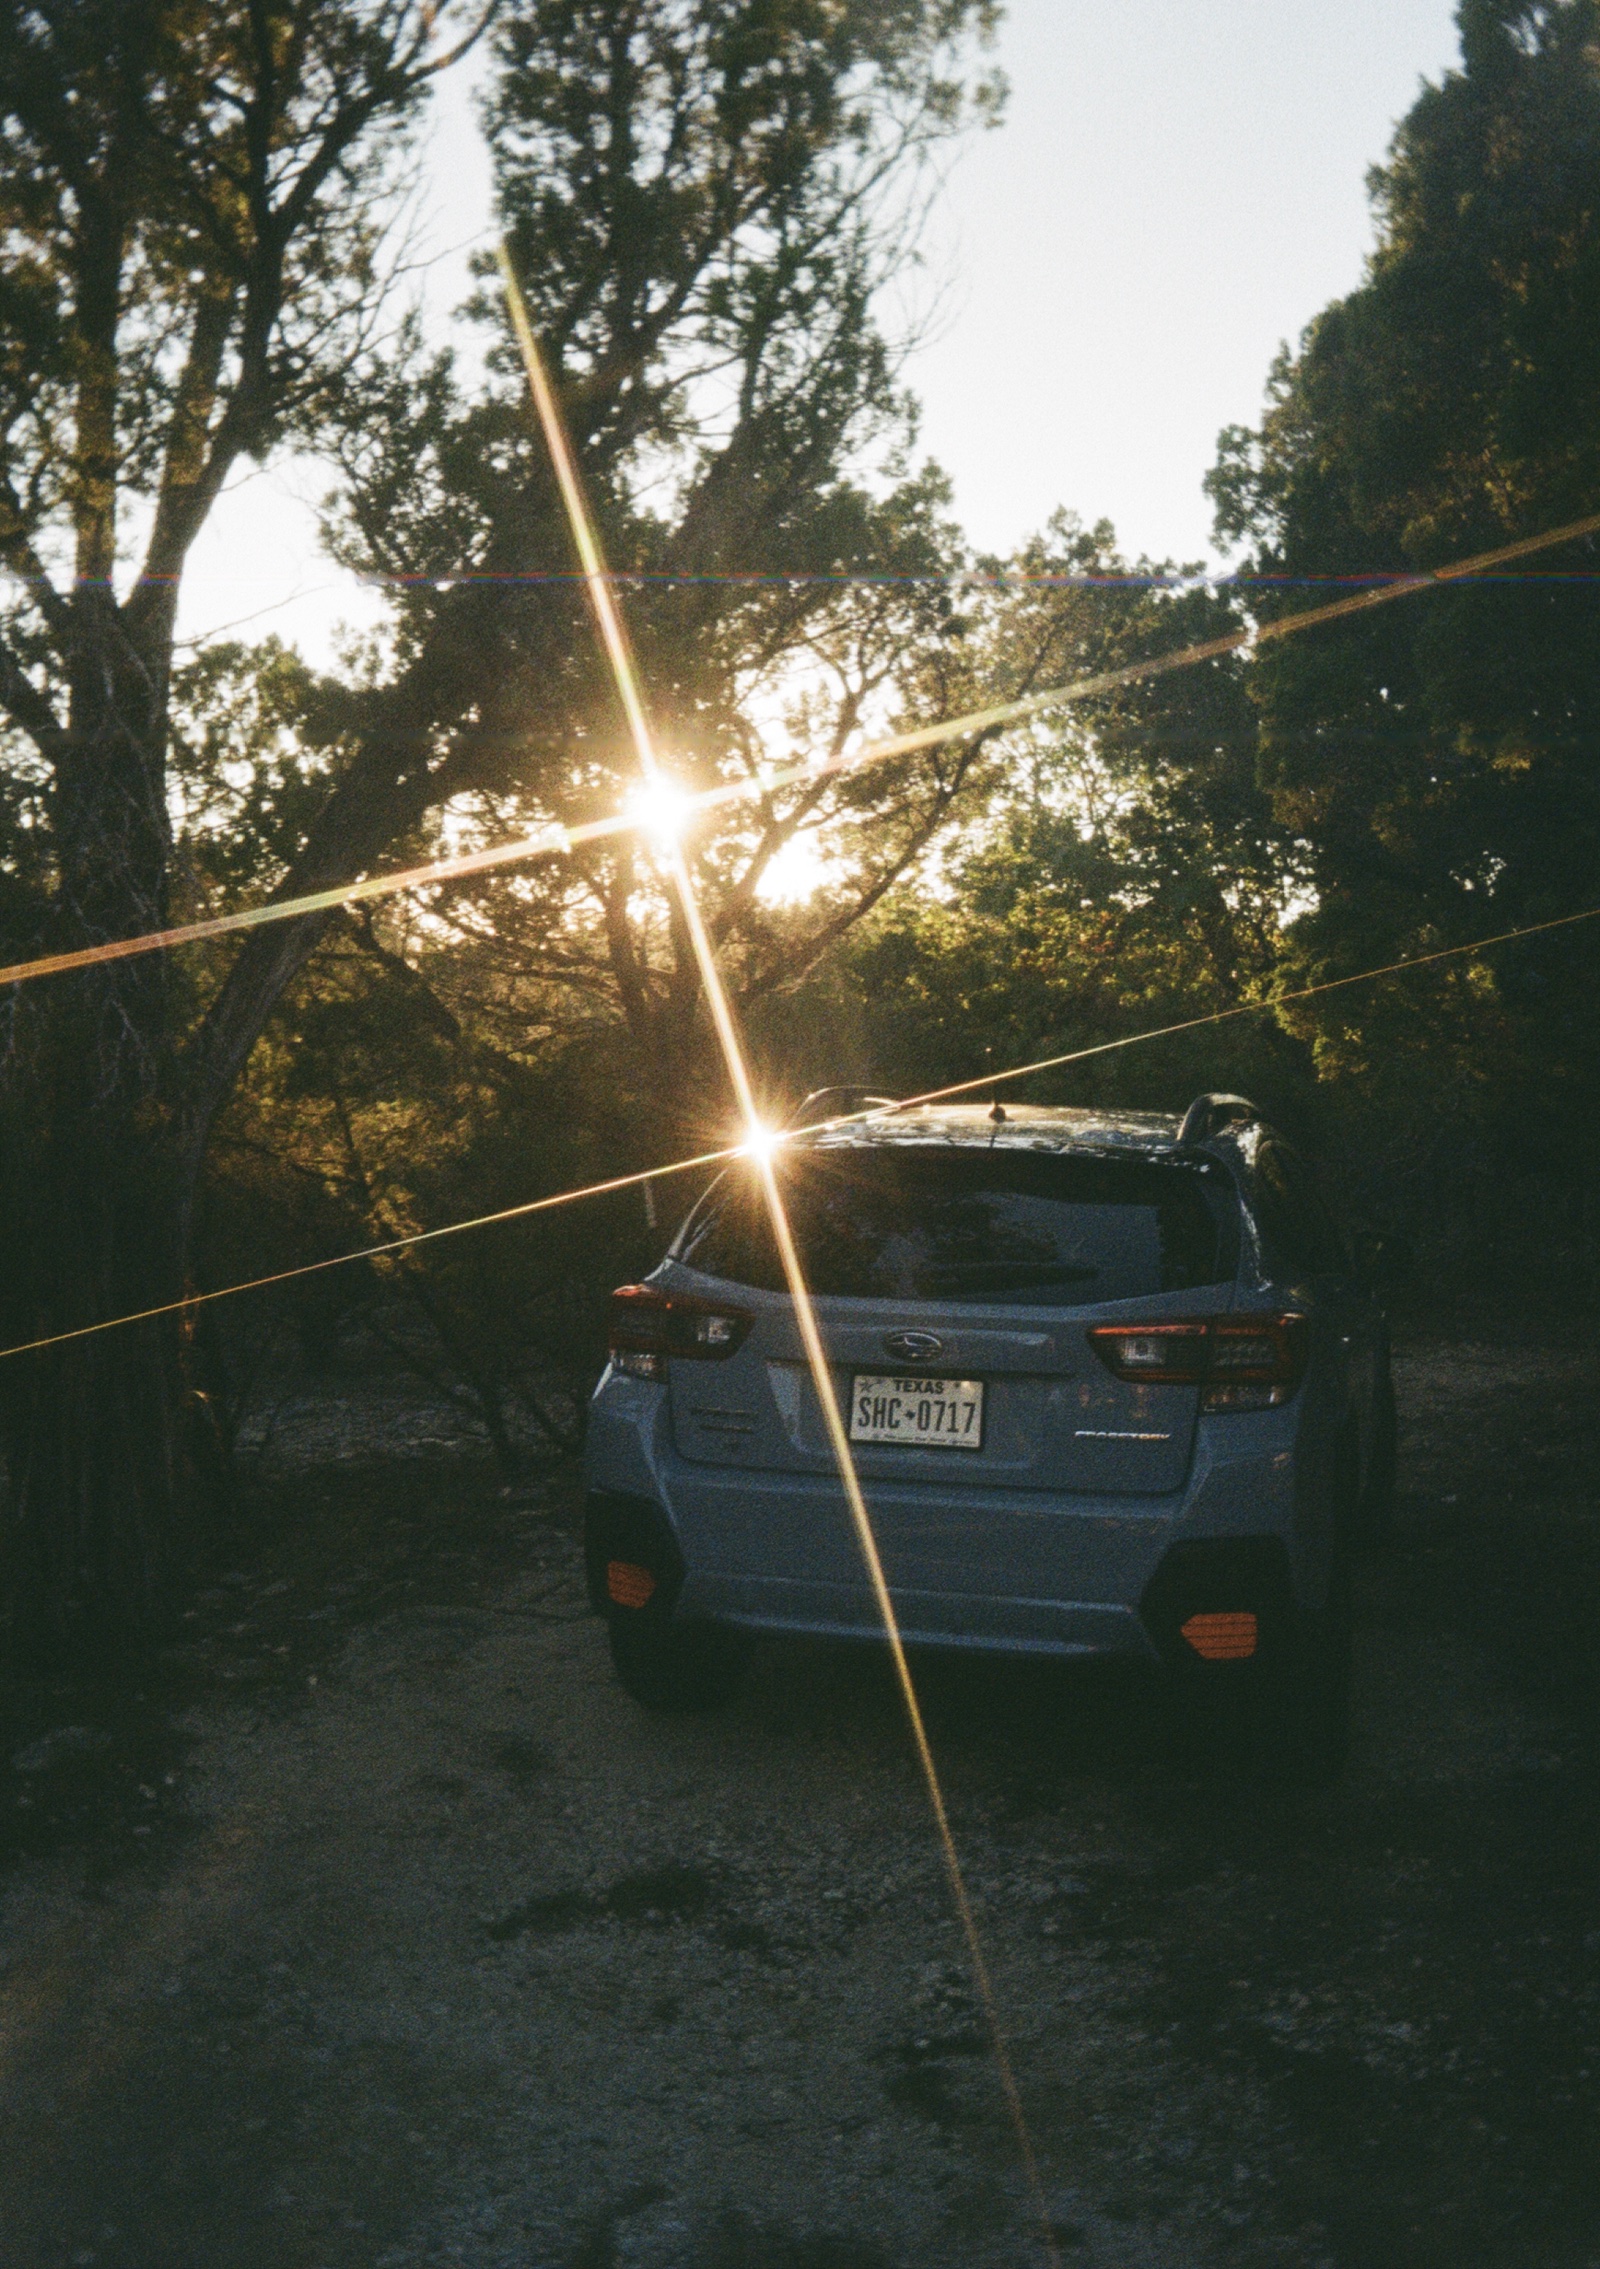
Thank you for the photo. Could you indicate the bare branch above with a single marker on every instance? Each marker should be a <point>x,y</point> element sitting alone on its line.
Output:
<point>28,707</point>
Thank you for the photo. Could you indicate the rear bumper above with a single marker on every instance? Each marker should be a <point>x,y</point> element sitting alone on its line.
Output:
<point>965,1567</point>
<point>982,1622</point>
<point>980,1568</point>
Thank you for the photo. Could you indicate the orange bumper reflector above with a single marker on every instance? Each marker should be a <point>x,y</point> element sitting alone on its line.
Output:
<point>632,1587</point>
<point>1221,1638</point>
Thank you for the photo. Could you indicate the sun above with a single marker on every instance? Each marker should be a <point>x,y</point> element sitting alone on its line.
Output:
<point>760,1142</point>
<point>661,809</point>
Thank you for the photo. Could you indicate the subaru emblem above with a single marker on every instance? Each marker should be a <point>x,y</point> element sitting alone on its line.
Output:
<point>914,1346</point>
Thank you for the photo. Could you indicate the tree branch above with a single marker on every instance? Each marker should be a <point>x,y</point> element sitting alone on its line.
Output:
<point>28,707</point>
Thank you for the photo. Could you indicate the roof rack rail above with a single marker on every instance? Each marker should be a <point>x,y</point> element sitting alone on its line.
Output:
<point>1209,1114</point>
<point>841,1103</point>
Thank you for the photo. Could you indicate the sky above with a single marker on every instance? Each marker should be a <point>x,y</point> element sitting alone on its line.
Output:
<point>1178,187</point>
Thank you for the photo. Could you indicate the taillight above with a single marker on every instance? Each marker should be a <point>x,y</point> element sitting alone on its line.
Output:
<point>1237,1362</point>
<point>648,1325</point>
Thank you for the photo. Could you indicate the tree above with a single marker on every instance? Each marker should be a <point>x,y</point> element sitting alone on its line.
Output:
<point>1124,870</point>
<point>775,445</point>
<point>194,199</point>
<point>702,197</point>
<point>703,203</point>
<point>1440,761</point>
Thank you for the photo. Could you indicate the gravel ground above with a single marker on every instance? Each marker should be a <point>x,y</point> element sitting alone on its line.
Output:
<point>380,1929</point>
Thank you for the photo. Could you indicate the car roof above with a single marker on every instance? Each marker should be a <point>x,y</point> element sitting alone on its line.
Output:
<point>1026,1126</point>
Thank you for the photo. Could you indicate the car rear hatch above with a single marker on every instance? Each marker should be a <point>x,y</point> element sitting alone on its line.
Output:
<point>956,1288</point>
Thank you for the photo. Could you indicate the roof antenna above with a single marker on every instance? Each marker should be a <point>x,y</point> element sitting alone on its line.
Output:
<point>997,1110</point>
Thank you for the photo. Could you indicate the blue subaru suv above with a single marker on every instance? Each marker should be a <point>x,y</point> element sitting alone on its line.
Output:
<point>1115,1386</point>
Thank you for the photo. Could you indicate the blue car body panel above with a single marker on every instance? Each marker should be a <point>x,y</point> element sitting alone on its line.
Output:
<point>1048,1538</point>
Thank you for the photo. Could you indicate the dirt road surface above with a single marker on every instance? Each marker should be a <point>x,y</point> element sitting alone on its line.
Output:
<point>385,1931</point>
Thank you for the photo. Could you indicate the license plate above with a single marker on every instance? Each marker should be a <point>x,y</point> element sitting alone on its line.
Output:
<point>929,1414</point>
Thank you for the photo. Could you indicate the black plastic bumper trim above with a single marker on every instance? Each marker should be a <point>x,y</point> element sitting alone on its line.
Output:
<point>618,1527</point>
<point>1219,1576</point>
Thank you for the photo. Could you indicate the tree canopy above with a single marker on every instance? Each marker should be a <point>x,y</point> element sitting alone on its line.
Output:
<point>704,201</point>
<point>1440,762</point>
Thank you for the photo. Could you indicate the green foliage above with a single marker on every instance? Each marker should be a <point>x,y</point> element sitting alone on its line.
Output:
<point>1441,758</point>
<point>1125,874</point>
<point>1440,761</point>
<point>702,202</point>
<point>697,201</point>
<point>247,778</point>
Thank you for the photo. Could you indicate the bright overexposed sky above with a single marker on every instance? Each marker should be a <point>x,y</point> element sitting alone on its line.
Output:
<point>1178,186</point>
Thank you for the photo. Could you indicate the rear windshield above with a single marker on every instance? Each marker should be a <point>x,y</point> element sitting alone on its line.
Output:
<point>977,1226</point>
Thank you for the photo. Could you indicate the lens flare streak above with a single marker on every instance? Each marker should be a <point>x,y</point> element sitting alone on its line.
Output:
<point>558,840</point>
<point>1243,1008</point>
<point>975,579</point>
<point>379,1252</point>
<point>761,1138</point>
<point>550,839</point>
<point>761,1151</point>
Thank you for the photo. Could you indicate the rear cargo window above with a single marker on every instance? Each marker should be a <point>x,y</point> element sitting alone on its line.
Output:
<point>976,1226</point>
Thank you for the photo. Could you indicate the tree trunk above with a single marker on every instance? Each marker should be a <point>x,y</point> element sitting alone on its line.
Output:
<point>102,1485</point>
<point>105,1488</point>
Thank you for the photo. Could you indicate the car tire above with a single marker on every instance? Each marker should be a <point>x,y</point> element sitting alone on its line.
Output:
<point>1302,1729</point>
<point>1375,1514</point>
<point>673,1669</point>
<point>1282,1720</point>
